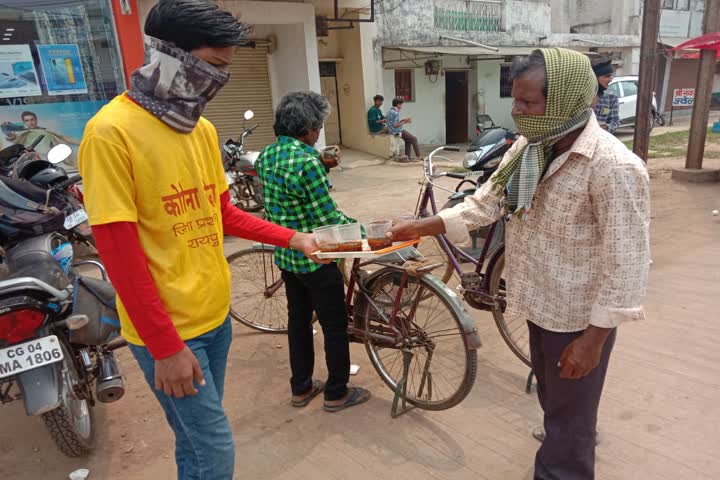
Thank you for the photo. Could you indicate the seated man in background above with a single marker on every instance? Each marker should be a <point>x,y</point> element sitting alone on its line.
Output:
<point>396,127</point>
<point>376,119</point>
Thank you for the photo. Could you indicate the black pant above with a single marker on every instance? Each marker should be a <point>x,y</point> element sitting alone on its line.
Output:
<point>570,408</point>
<point>411,142</point>
<point>321,291</point>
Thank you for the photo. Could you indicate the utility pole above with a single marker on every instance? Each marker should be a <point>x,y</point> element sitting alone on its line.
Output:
<point>648,61</point>
<point>703,90</point>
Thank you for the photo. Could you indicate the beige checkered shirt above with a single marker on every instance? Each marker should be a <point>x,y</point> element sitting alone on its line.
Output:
<point>583,254</point>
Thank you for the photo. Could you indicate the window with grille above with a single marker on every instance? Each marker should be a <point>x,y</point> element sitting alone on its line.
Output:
<point>676,4</point>
<point>404,85</point>
<point>505,82</point>
<point>468,15</point>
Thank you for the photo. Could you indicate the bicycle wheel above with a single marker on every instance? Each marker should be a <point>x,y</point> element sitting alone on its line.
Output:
<point>512,326</point>
<point>257,292</point>
<point>441,366</point>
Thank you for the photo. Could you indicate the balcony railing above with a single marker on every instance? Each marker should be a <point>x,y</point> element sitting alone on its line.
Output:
<point>468,16</point>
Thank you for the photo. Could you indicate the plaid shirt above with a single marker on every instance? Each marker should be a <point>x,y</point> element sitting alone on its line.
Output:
<point>608,111</point>
<point>297,195</point>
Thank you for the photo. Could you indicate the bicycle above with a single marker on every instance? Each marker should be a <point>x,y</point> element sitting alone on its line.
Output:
<point>419,338</point>
<point>483,288</point>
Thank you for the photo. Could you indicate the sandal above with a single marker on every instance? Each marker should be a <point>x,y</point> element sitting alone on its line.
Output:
<point>315,390</point>
<point>356,396</point>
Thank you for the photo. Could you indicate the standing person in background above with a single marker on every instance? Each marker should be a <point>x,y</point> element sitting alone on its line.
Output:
<point>376,119</point>
<point>397,127</point>
<point>607,109</point>
<point>158,204</point>
<point>297,196</point>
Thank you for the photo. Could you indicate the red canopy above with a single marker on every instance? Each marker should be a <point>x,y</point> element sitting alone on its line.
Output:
<point>709,41</point>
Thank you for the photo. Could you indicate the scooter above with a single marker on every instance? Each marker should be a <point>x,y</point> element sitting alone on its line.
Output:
<point>483,156</point>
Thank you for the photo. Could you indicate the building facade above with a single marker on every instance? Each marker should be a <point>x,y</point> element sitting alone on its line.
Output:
<point>446,82</point>
<point>60,62</point>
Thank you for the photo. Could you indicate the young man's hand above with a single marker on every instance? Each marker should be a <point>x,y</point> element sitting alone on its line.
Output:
<point>174,375</point>
<point>307,244</point>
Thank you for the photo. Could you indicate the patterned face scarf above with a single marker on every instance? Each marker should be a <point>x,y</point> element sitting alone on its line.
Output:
<point>174,85</point>
<point>571,89</point>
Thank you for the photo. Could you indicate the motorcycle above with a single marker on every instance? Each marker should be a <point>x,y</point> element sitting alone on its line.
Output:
<point>246,191</point>
<point>58,331</point>
<point>25,164</point>
<point>484,155</point>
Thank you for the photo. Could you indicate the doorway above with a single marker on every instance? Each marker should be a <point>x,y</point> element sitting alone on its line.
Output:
<point>328,88</point>
<point>456,106</point>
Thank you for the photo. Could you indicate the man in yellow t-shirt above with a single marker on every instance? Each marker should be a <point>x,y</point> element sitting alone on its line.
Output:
<point>157,198</point>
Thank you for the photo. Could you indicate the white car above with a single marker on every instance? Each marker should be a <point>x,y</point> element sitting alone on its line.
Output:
<point>626,89</point>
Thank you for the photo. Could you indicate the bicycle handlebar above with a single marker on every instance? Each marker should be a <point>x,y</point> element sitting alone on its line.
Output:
<point>458,176</point>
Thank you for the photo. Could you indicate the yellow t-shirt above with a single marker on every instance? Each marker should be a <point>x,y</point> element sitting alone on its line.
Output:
<point>137,169</point>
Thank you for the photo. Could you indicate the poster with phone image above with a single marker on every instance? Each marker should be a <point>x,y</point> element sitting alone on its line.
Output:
<point>18,77</point>
<point>62,69</point>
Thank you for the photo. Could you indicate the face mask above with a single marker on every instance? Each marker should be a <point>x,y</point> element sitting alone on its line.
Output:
<point>175,86</point>
<point>601,90</point>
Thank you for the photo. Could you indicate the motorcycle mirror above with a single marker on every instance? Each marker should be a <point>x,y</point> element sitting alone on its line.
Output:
<point>249,114</point>
<point>59,153</point>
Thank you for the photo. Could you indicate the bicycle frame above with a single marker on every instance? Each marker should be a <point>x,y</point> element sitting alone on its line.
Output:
<point>361,334</point>
<point>427,197</point>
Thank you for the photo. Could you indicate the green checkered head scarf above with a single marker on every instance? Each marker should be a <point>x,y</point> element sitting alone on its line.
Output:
<point>571,88</point>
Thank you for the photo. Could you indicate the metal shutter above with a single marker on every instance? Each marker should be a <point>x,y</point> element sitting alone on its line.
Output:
<point>248,89</point>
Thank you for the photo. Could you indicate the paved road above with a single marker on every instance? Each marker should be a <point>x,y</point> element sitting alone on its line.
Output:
<point>658,418</point>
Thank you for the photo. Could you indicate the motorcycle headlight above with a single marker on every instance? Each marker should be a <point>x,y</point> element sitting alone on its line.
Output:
<point>470,160</point>
<point>494,162</point>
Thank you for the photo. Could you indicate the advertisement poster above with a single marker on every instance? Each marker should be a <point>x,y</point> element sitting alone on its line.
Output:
<point>62,69</point>
<point>18,77</point>
<point>62,122</point>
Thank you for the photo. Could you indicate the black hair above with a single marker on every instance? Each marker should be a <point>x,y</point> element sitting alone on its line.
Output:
<point>378,97</point>
<point>28,114</point>
<point>524,65</point>
<point>191,24</point>
<point>397,101</point>
<point>602,65</point>
<point>299,112</point>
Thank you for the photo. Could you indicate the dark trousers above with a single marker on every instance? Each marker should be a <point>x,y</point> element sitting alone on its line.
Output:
<point>323,292</point>
<point>411,142</point>
<point>570,408</point>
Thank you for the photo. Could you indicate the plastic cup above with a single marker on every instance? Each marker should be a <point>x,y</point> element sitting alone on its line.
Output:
<point>350,237</point>
<point>376,234</point>
<point>327,238</point>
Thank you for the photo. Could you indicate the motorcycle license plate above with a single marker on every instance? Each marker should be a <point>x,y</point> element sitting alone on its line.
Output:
<point>29,355</point>
<point>75,218</point>
<point>479,173</point>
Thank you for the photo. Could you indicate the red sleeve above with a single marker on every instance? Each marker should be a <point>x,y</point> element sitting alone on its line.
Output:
<point>119,247</point>
<point>241,224</point>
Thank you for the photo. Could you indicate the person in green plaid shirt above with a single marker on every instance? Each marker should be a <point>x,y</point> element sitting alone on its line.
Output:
<point>296,190</point>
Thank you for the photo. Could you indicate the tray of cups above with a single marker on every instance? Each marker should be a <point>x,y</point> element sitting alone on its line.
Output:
<point>345,241</point>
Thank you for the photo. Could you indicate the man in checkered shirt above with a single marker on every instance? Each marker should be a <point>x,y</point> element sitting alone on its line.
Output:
<point>607,110</point>
<point>296,190</point>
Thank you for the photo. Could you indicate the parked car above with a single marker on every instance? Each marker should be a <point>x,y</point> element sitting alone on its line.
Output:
<point>626,89</point>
